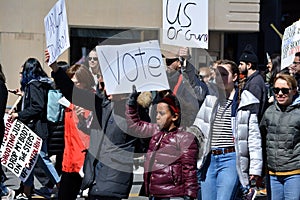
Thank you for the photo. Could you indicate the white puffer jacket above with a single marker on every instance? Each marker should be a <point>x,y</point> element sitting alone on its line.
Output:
<point>245,129</point>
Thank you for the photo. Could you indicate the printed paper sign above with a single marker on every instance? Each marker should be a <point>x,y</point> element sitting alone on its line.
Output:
<point>185,23</point>
<point>20,148</point>
<point>56,30</point>
<point>290,44</point>
<point>138,64</point>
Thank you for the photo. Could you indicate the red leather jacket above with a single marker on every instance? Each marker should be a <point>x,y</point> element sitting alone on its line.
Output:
<point>170,164</point>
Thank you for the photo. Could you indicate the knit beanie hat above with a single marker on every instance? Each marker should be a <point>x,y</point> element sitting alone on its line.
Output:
<point>248,55</point>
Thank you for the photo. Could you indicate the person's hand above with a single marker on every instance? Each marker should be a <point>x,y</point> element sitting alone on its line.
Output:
<point>16,91</point>
<point>79,111</point>
<point>292,69</point>
<point>14,116</point>
<point>184,52</point>
<point>53,66</point>
<point>133,97</point>
<point>258,180</point>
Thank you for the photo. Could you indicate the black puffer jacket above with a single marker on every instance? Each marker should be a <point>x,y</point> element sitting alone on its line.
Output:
<point>281,130</point>
<point>55,141</point>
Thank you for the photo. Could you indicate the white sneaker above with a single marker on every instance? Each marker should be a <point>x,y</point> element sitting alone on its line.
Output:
<point>10,195</point>
<point>22,196</point>
<point>85,193</point>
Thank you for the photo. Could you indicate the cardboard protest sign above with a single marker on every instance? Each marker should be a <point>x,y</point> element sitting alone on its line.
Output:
<point>290,44</point>
<point>20,148</point>
<point>138,64</point>
<point>56,30</point>
<point>185,23</point>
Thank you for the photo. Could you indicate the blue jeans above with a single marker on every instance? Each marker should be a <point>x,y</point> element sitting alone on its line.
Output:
<point>3,189</point>
<point>45,163</point>
<point>221,182</point>
<point>285,187</point>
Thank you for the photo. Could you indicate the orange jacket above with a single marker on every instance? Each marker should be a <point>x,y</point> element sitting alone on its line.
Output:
<point>76,142</point>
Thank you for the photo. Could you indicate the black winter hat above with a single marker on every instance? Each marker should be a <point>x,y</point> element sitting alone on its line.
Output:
<point>248,55</point>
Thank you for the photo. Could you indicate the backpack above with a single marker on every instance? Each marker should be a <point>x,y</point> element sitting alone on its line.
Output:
<point>55,111</point>
<point>55,121</point>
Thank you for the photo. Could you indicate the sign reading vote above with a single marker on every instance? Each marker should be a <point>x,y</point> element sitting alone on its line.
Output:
<point>20,148</point>
<point>290,44</point>
<point>185,23</point>
<point>138,64</point>
<point>56,30</point>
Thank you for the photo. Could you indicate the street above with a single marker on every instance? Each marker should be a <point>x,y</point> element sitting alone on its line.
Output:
<point>13,183</point>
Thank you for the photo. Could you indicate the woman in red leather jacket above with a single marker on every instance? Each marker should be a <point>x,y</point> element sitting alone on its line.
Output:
<point>170,163</point>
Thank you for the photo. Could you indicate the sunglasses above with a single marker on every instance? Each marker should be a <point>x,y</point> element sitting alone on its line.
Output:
<point>296,63</point>
<point>93,58</point>
<point>283,90</point>
<point>169,61</point>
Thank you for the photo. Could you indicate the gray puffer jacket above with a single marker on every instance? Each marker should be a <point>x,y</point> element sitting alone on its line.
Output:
<point>281,129</point>
<point>245,131</point>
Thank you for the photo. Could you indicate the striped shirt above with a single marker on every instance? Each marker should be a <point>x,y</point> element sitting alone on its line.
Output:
<point>222,130</point>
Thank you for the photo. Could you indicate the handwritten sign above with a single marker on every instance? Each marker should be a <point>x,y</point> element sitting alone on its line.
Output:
<point>185,23</point>
<point>290,44</point>
<point>138,64</point>
<point>20,148</point>
<point>57,32</point>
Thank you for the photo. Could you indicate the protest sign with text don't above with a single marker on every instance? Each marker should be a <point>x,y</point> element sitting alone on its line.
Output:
<point>20,148</point>
<point>138,64</point>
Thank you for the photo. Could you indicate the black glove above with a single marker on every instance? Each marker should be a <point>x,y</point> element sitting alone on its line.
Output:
<point>133,97</point>
<point>187,198</point>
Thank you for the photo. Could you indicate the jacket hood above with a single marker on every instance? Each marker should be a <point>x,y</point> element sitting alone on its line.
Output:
<point>247,98</point>
<point>296,101</point>
<point>43,80</point>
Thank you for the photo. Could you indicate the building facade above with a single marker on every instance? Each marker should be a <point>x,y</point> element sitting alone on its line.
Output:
<point>92,22</point>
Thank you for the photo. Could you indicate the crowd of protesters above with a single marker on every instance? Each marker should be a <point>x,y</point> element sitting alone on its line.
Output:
<point>220,132</point>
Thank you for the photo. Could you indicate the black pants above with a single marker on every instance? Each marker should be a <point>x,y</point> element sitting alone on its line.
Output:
<point>69,186</point>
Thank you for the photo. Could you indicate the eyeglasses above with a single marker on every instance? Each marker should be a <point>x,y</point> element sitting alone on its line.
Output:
<point>296,63</point>
<point>93,58</point>
<point>283,90</point>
